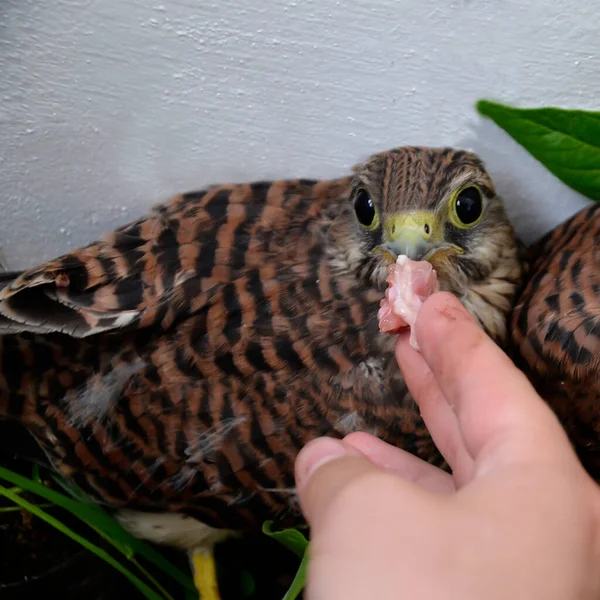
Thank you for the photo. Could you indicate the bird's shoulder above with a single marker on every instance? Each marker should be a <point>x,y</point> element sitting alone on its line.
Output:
<point>174,260</point>
<point>556,318</point>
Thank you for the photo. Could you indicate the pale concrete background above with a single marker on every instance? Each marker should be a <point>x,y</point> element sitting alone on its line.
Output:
<point>108,106</point>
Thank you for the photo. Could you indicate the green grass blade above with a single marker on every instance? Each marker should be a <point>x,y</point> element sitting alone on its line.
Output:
<point>72,489</point>
<point>149,576</point>
<point>6,509</point>
<point>299,580</point>
<point>131,543</point>
<point>79,496</point>
<point>93,515</point>
<point>120,544</point>
<point>38,512</point>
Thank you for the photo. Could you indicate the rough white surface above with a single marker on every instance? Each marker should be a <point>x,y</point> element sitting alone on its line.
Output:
<point>108,106</point>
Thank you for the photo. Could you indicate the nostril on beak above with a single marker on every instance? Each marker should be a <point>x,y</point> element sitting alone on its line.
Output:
<point>393,229</point>
<point>427,229</point>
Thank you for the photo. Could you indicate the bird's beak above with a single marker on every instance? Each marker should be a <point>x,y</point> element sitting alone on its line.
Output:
<point>418,235</point>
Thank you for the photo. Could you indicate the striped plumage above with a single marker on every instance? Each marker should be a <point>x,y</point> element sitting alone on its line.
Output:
<point>555,328</point>
<point>181,362</point>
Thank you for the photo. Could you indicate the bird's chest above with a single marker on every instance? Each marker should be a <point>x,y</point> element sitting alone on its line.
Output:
<point>327,331</point>
<point>372,396</point>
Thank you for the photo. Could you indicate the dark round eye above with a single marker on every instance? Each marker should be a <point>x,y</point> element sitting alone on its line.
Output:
<point>469,205</point>
<point>364,208</point>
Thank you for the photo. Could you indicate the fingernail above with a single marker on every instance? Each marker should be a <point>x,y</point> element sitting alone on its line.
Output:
<point>315,454</point>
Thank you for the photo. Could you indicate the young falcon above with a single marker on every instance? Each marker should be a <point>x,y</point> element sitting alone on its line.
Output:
<point>177,366</point>
<point>555,328</point>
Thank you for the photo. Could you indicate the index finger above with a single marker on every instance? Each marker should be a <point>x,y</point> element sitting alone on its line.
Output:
<point>493,400</point>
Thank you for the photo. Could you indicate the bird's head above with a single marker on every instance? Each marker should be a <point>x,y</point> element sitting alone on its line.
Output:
<point>439,205</point>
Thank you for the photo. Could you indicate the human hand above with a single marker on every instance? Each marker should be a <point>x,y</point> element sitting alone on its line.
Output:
<point>518,518</point>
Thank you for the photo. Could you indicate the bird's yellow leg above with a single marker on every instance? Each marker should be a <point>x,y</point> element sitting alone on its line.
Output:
<point>205,574</point>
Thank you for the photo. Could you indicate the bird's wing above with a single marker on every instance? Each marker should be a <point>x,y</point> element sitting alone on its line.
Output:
<point>556,320</point>
<point>127,277</point>
<point>556,329</point>
<point>167,264</point>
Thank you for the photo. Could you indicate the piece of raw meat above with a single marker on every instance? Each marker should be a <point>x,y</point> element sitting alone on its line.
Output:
<point>410,283</point>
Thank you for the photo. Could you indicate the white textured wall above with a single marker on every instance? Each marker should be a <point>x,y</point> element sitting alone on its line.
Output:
<point>107,106</point>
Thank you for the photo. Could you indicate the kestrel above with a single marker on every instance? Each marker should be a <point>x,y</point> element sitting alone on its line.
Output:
<point>174,368</point>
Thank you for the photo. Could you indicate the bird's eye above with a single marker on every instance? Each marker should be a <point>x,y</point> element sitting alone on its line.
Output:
<point>364,208</point>
<point>468,206</point>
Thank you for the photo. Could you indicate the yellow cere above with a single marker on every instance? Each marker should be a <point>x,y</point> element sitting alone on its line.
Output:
<point>424,224</point>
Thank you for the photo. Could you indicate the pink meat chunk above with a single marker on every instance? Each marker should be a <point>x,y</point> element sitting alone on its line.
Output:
<point>410,283</point>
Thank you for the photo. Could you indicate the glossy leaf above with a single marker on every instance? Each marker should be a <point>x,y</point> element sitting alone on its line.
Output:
<point>566,142</point>
<point>292,539</point>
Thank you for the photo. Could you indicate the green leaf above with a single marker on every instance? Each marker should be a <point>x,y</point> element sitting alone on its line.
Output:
<point>292,539</point>
<point>94,516</point>
<point>566,142</point>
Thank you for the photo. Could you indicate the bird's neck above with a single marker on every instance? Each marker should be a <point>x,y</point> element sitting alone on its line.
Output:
<point>490,300</point>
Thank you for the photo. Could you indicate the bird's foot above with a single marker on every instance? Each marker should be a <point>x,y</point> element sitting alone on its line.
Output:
<point>205,574</point>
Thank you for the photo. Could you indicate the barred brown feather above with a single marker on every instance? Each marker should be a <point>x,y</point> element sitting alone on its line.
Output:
<point>556,328</point>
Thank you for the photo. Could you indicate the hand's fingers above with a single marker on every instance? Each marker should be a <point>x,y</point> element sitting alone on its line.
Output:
<point>440,419</point>
<point>400,462</point>
<point>326,468</point>
<point>492,399</point>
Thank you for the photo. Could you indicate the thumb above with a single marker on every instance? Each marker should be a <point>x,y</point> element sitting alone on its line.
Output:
<point>324,468</point>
